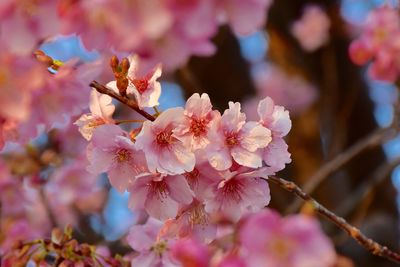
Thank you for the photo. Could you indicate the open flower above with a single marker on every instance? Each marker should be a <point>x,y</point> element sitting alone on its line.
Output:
<point>160,195</point>
<point>237,191</point>
<point>101,110</point>
<point>198,117</point>
<point>165,151</point>
<point>154,248</point>
<point>233,137</point>
<point>275,118</point>
<point>113,152</point>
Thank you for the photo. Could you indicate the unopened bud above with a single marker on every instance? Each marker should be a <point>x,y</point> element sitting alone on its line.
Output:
<point>125,65</point>
<point>114,62</point>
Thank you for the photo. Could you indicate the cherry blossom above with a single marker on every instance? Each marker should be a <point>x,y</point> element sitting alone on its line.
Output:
<point>153,247</point>
<point>238,191</point>
<point>235,138</point>
<point>190,253</point>
<point>293,241</point>
<point>244,16</point>
<point>101,110</point>
<point>275,118</point>
<point>290,91</point>
<point>312,29</point>
<point>159,194</point>
<point>165,150</point>
<point>379,43</point>
<point>113,152</point>
<point>199,117</point>
<point>193,221</point>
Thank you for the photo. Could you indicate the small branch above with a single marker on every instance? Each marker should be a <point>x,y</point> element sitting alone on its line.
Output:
<point>49,211</point>
<point>372,140</point>
<point>128,121</point>
<point>129,102</point>
<point>369,244</point>
<point>366,188</point>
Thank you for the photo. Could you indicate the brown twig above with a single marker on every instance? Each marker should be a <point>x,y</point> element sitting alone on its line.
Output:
<point>372,140</point>
<point>366,188</point>
<point>129,102</point>
<point>48,208</point>
<point>369,244</point>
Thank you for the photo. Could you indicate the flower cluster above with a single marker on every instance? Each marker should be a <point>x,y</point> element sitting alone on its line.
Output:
<point>164,31</point>
<point>187,158</point>
<point>379,43</point>
<point>263,239</point>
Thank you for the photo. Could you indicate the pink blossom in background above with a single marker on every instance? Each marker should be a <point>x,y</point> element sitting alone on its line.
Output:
<point>275,118</point>
<point>19,78</point>
<point>101,110</point>
<point>238,191</point>
<point>232,261</point>
<point>312,29</point>
<point>292,92</point>
<point>198,118</point>
<point>23,26</point>
<point>379,43</point>
<point>153,248</point>
<point>294,241</point>
<point>190,253</point>
<point>244,16</point>
<point>112,151</point>
<point>234,138</point>
<point>165,151</point>
<point>160,195</point>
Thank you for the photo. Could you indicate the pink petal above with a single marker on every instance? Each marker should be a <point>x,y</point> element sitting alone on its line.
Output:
<point>247,158</point>
<point>179,189</point>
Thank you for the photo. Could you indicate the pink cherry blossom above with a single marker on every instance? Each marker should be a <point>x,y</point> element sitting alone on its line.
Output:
<point>198,119</point>
<point>293,241</point>
<point>244,17</point>
<point>232,261</point>
<point>379,43</point>
<point>235,138</point>
<point>105,24</point>
<point>275,118</point>
<point>24,24</point>
<point>101,110</point>
<point>152,246</point>
<point>190,253</point>
<point>160,195</point>
<point>165,151</point>
<point>193,221</point>
<point>113,152</point>
<point>292,92</point>
<point>238,191</point>
<point>312,29</point>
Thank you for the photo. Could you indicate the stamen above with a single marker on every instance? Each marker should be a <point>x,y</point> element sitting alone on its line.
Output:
<point>198,127</point>
<point>164,138</point>
<point>123,154</point>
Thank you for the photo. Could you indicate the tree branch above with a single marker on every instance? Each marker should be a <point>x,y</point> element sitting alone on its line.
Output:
<point>367,187</point>
<point>129,102</point>
<point>372,140</point>
<point>369,244</point>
